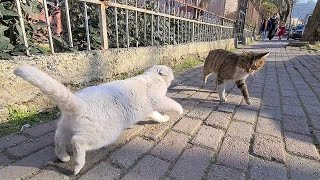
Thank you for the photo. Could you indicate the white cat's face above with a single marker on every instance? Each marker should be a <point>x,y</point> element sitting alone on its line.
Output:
<point>165,72</point>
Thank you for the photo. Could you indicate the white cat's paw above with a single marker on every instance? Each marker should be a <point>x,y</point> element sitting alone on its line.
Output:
<point>77,169</point>
<point>180,110</point>
<point>65,159</point>
<point>165,118</point>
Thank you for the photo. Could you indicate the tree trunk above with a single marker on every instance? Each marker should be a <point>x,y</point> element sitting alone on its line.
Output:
<point>287,11</point>
<point>312,29</point>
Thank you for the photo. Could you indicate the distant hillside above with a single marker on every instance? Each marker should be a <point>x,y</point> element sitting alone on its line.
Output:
<point>301,10</point>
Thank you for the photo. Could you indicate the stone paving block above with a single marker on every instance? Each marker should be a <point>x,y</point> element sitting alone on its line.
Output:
<point>127,134</point>
<point>270,101</point>
<point>177,88</point>
<point>269,126</point>
<point>240,130</point>
<point>234,153</point>
<point>307,100</point>
<point>285,88</point>
<point>301,145</point>
<point>129,153</point>
<point>4,160</point>
<point>218,172</point>
<point>312,110</point>
<point>170,146</point>
<point>315,121</point>
<point>192,164</point>
<point>180,96</point>
<point>31,145</point>
<point>41,129</point>
<point>50,173</point>
<point>213,104</point>
<point>255,103</point>
<point>262,169</point>
<point>200,112</point>
<point>252,95</point>
<point>171,94</point>
<point>29,165</point>
<point>226,107</point>
<point>255,89</point>
<point>219,119</point>
<point>306,92</point>
<point>269,147</point>
<point>11,140</point>
<point>188,125</point>
<point>317,134</point>
<point>102,171</point>
<point>245,115</point>
<point>189,104</point>
<point>293,101</point>
<point>296,124</point>
<point>234,99</point>
<point>156,131</point>
<point>186,91</point>
<point>271,91</point>
<point>200,95</point>
<point>148,168</point>
<point>192,87</point>
<point>303,169</point>
<point>293,111</point>
<point>208,136</point>
<point>270,112</point>
<point>289,93</point>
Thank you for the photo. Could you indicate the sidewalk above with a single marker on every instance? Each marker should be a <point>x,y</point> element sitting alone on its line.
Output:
<point>276,137</point>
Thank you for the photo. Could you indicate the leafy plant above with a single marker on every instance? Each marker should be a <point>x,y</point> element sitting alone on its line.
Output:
<point>142,30</point>
<point>11,39</point>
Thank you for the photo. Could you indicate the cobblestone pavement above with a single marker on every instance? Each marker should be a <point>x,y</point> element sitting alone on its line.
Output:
<point>277,137</point>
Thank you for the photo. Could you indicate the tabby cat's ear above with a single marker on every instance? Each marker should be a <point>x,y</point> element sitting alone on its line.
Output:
<point>245,53</point>
<point>263,55</point>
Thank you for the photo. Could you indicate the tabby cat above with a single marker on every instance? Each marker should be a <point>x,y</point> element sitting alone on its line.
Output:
<point>226,65</point>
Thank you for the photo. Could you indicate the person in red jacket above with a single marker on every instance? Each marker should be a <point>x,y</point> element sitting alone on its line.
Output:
<point>281,30</point>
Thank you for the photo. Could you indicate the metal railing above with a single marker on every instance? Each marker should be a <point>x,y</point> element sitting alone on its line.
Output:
<point>136,24</point>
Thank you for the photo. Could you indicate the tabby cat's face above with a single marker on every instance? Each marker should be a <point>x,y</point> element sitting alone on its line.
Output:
<point>253,62</point>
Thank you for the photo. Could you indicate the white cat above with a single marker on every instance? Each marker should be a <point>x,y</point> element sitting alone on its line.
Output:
<point>95,116</point>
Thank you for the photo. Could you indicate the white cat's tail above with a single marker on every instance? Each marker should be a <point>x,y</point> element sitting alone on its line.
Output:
<point>57,92</point>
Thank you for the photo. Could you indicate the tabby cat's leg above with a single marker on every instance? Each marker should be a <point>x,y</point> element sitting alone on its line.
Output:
<point>215,88</point>
<point>243,87</point>
<point>221,89</point>
<point>206,74</point>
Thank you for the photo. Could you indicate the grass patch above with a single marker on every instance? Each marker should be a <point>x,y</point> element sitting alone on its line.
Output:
<point>315,46</point>
<point>187,64</point>
<point>19,117</point>
<point>124,76</point>
<point>311,47</point>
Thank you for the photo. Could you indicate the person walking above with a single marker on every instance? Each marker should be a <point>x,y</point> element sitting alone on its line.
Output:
<point>264,28</point>
<point>281,30</point>
<point>273,22</point>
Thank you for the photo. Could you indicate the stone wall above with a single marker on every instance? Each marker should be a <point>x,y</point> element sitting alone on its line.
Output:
<point>80,69</point>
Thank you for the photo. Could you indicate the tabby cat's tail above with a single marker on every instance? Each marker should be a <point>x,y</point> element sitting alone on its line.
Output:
<point>57,92</point>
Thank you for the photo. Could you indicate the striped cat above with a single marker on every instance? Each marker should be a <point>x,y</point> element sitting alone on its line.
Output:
<point>226,65</point>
